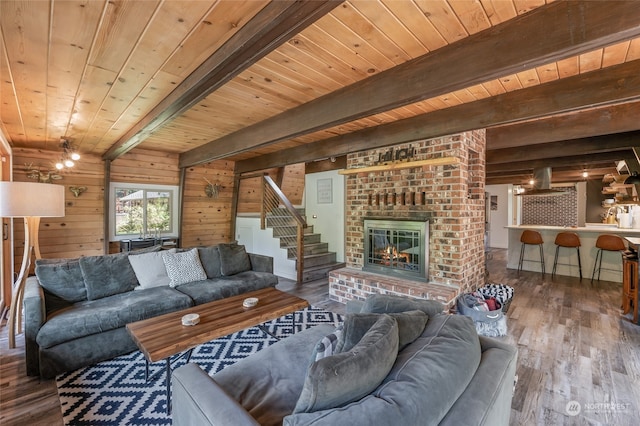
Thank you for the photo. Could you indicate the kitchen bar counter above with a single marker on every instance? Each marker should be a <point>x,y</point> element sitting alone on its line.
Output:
<point>588,236</point>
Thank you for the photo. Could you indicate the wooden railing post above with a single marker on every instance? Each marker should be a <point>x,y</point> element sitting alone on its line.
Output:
<point>271,190</point>
<point>263,210</point>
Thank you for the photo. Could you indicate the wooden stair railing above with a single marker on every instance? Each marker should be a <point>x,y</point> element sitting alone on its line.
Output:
<point>273,199</point>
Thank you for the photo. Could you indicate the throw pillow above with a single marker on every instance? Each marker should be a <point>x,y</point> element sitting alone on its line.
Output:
<point>150,270</point>
<point>62,278</point>
<point>387,303</point>
<point>210,259</point>
<point>233,259</point>
<point>410,327</point>
<point>327,345</point>
<point>107,275</point>
<point>184,267</point>
<point>339,379</point>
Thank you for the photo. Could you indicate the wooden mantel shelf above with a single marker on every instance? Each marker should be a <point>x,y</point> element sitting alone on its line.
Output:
<point>443,161</point>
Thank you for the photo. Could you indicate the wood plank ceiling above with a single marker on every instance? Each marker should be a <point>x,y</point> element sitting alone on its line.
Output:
<point>267,83</point>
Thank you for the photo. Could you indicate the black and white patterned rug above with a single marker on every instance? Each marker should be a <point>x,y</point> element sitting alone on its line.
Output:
<point>115,392</point>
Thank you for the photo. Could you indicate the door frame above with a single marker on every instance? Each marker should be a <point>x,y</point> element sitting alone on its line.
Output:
<point>6,248</point>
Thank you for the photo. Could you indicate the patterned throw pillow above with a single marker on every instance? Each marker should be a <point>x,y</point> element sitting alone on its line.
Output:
<point>183,267</point>
<point>327,345</point>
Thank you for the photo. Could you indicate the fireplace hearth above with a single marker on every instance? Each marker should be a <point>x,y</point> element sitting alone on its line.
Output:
<point>397,248</point>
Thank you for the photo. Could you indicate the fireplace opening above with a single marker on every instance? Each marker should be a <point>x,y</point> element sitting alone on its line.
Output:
<point>396,247</point>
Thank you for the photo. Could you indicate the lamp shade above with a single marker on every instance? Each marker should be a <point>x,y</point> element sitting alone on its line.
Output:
<point>633,179</point>
<point>30,199</point>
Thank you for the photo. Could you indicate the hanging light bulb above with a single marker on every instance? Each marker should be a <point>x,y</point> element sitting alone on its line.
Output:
<point>69,155</point>
<point>585,174</point>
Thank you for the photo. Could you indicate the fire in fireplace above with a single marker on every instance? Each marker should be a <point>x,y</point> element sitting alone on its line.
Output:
<point>396,247</point>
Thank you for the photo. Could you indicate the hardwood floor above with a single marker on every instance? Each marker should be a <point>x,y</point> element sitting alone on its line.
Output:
<point>573,346</point>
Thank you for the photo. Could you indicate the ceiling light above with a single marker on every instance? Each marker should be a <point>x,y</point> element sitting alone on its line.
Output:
<point>585,174</point>
<point>69,155</point>
<point>531,181</point>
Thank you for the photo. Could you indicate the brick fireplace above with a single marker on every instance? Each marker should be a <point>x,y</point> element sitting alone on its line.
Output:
<point>448,197</point>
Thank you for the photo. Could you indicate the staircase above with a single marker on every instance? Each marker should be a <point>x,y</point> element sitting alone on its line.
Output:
<point>317,260</point>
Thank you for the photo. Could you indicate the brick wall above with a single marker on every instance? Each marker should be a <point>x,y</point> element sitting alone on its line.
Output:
<point>451,197</point>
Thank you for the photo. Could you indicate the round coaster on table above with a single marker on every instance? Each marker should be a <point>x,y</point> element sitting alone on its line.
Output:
<point>250,302</point>
<point>190,319</point>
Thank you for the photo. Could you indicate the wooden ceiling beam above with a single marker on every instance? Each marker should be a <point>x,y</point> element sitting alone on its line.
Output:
<point>583,161</point>
<point>558,176</point>
<point>596,168</point>
<point>569,94</point>
<point>276,23</point>
<point>597,121</point>
<point>569,29</point>
<point>621,141</point>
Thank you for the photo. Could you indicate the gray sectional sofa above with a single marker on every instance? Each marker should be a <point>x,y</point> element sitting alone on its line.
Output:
<point>388,370</point>
<point>76,310</point>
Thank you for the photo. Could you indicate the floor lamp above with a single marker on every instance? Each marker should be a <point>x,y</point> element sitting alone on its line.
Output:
<point>30,201</point>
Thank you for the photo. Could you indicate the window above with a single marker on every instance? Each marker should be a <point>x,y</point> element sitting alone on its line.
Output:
<point>140,211</point>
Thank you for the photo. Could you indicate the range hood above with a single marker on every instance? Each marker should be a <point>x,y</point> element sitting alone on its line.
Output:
<point>542,184</point>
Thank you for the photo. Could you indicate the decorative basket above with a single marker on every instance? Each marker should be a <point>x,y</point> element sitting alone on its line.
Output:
<point>502,293</point>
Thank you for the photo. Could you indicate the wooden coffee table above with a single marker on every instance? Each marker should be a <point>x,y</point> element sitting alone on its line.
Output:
<point>163,336</point>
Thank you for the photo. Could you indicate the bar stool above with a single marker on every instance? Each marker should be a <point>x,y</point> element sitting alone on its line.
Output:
<point>606,242</point>
<point>533,238</point>
<point>568,240</point>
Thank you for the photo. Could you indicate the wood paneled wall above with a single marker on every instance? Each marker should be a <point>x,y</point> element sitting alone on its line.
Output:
<point>148,167</point>
<point>80,231</point>
<point>292,185</point>
<point>205,220</point>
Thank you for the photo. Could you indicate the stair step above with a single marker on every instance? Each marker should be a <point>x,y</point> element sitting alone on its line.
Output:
<point>309,248</point>
<point>273,221</point>
<point>318,259</point>
<point>287,231</point>
<point>291,240</point>
<point>283,211</point>
<point>320,272</point>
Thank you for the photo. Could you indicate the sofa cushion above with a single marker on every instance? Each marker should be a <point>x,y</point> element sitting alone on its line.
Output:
<point>387,303</point>
<point>410,326</point>
<point>150,270</point>
<point>218,288</point>
<point>268,383</point>
<point>62,278</point>
<point>107,275</point>
<point>429,375</point>
<point>183,267</point>
<point>444,358</point>
<point>108,313</point>
<point>210,259</point>
<point>348,376</point>
<point>233,259</point>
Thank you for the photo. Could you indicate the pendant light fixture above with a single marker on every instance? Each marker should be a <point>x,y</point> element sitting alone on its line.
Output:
<point>69,155</point>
